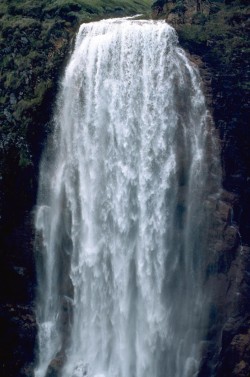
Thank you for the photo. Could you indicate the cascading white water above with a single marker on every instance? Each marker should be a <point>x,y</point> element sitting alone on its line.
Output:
<point>120,218</point>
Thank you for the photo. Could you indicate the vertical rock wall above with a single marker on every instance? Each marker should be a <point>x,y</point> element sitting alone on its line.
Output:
<point>215,35</point>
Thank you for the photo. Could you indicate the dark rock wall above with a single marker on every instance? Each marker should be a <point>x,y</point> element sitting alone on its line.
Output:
<point>228,353</point>
<point>217,37</point>
<point>27,73</point>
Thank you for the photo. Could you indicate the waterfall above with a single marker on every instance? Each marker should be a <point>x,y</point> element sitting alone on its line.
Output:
<point>121,221</point>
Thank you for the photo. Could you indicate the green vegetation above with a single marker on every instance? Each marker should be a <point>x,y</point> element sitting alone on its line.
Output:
<point>223,32</point>
<point>34,39</point>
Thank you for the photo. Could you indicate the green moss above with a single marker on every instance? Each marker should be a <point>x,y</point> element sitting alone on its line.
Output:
<point>34,39</point>
<point>34,56</point>
<point>3,9</point>
<point>3,100</point>
<point>83,10</point>
<point>7,63</point>
<point>30,105</point>
<point>41,89</point>
<point>192,34</point>
<point>221,35</point>
<point>179,8</point>
<point>9,22</point>
<point>11,81</point>
<point>199,18</point>
<point>24,160</point>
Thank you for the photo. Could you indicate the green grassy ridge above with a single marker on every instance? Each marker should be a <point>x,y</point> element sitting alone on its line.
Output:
<point>99,6</point>
<point>80,8</point>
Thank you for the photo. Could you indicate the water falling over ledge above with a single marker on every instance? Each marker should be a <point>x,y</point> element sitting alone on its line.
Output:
<point>121,221</point>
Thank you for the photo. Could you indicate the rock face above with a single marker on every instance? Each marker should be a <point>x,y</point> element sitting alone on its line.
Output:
<point>215,37</point>
<point>17,317</point>
<point>35,39</point>
<point>18,340</point>
<point>28,71</point>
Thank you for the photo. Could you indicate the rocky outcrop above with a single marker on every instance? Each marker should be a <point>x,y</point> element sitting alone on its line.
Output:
<point>18,340</point>
<point>17,317</point>
<point>227,348</point>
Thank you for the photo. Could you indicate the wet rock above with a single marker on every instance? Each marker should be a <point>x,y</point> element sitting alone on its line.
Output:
<point>229,197</point>
<point>8,115</point>
<point>18,332</point>
<point>235,353</point>
<point>241,369</point>
<point>13,99</point>
<point>231,238</point>
<point>231,328</point>
<point>224,210</point>
<point>56,365</point>
<point>24,40</point>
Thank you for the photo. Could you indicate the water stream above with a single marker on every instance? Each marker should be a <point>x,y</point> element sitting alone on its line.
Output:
<point>121,225</point>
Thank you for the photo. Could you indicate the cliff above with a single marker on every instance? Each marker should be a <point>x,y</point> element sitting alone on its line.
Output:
<point>35,39</point>
<point>216,35</point>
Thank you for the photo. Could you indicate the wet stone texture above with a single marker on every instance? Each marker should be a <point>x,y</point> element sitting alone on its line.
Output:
<point>18,340</point>
<point>226,349</point>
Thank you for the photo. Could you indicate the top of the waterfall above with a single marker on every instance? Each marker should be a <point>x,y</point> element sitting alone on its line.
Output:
<point>126,20</point>
<point>128,25</point>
